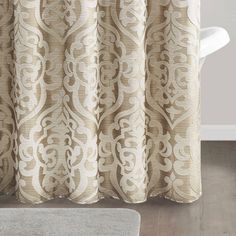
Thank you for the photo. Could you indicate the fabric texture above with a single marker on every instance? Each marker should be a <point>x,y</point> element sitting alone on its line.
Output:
<point>99,98</point>
<point>69,221</point>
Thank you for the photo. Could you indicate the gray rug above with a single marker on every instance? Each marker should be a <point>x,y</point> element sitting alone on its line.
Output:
<point>69,222</point>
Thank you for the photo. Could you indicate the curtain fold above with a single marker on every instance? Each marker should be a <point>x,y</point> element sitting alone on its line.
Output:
<point>100,98</point>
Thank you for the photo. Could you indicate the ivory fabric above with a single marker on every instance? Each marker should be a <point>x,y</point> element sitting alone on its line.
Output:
<point>99,98</point>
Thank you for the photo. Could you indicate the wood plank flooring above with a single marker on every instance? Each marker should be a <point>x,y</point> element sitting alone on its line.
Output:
<point>213,215</point>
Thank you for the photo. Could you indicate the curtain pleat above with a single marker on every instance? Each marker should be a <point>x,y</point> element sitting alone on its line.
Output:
<point>99,99</point>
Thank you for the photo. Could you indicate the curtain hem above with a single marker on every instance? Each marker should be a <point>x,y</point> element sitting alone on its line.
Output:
<point>159,196</point>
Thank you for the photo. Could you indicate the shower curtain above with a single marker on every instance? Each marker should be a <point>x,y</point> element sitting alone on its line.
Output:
<point>99,98</point>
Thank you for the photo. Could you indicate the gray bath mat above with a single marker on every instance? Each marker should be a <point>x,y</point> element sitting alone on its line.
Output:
<point>69,222</point>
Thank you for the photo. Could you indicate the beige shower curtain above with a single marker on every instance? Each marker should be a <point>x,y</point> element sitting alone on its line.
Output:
<point>99,98</point>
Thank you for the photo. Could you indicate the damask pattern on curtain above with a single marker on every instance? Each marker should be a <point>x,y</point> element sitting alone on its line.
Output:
<point>99,98</point>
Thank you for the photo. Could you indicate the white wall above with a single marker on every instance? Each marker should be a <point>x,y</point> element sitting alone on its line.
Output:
<point>219,72</point>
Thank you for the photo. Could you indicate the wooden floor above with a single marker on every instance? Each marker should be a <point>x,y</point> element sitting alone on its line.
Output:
<point>213,215</point>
